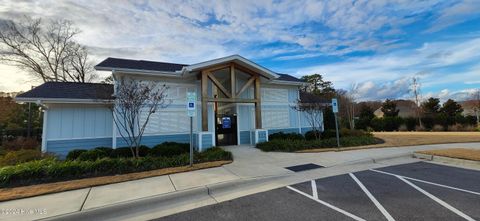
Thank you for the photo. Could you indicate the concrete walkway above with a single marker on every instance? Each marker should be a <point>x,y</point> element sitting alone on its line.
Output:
<point>249,164</point>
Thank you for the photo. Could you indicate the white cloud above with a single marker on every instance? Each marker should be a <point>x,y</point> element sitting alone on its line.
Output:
<point>188,31</point>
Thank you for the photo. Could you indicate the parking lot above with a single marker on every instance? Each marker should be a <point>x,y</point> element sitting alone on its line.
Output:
<point>416,191</point>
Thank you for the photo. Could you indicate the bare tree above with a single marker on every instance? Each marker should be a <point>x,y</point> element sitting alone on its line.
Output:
<point>476,105</point>
<point>415,89</point>
<point>47,50</point>
<point>135,102</point>
<point>312,106</point>
<point>349,100</point>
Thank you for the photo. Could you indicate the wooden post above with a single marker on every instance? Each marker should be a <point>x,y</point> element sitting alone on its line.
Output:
<point>204,101</point>
<point>258,106</point>
<point>233,81</point>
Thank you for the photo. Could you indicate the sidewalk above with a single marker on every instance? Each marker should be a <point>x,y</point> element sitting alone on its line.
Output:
<point>250,164</point>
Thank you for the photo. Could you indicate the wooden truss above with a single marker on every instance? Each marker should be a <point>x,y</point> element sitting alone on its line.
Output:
<point>233,95</point>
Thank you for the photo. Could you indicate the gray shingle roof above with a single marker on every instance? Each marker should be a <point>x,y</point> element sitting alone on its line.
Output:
<point>70,90</point>
<point>112,63</point>
<point>287,77</point>
<point>139,65</point>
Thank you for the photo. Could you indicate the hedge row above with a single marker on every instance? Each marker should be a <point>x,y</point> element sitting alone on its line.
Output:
<point>50,170</point>
<point>167,149</point>
<point>313,135</point>
<point>296,145</point>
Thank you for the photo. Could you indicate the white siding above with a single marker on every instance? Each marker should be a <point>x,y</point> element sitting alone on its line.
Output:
<point>70,121</point>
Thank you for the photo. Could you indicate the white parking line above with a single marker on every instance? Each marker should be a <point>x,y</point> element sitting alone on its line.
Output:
<point>427,182</point>
<point>372,198</point>
<point>314,189</point>
<point>436,199</point>
<point>327,204</point>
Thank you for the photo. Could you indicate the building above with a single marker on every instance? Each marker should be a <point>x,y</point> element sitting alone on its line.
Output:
<point>239,102</point>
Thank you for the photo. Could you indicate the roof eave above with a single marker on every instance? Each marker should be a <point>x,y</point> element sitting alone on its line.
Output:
<point>196,67</point>
<point>39,100</point>
<point>289,82</point>
<point>140,71</point>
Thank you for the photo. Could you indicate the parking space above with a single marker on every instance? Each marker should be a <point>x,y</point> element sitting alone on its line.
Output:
<point>417,191</point>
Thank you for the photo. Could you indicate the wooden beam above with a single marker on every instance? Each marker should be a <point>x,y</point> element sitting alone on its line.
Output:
<point>246,70</point>
<point>204,88</point>
<point>233,81</point>
<point>218,84</point>
<point>232,100</point>
<point>258,104</point>
<point>216,68</point>
<point>246,85</point>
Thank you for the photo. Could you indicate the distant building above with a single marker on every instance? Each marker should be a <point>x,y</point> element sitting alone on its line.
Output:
<point>406,107</point>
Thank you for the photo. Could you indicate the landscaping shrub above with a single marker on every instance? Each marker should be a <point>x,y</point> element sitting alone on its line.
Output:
<point>313,134</point>
<point>48,170</point>
<point>391,123</point>
<point>168,149</point>
<point>107,150</point>
<point>285,136</point>
<point>121,152</point>
<point>296,145</point>
<point>410,123</point>
<point>377,124</point>
<point>92,155</point>
<point>212,154</point>
<point>22,156</point>
<point>74,154</point>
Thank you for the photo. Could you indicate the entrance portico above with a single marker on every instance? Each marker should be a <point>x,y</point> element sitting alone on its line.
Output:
<point>226,84</point>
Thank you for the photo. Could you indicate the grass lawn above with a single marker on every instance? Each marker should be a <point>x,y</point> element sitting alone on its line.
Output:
<point>41,189</point>
<point>397,139</point>
<point>460,153</point>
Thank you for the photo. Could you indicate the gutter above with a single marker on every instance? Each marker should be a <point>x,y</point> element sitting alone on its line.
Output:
<point>63,100</point>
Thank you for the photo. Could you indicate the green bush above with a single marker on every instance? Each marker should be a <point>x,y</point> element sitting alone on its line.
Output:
<point>74,154</point>
<point>121,152</point>
<point>212,154</point>
<point>285,136</point>
<point>296,145</point>
<point>107,150</point>
<point>92,155</point>
<point>22,156</point>
<point>49,170</point>
<point>168,149</point>
<point>313,134</point>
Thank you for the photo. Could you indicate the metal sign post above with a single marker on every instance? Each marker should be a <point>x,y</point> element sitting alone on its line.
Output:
<point>335,111</point>
<point>191,110</point>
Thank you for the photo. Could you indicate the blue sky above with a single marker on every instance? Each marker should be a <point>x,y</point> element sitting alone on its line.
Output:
<point>377,45</point>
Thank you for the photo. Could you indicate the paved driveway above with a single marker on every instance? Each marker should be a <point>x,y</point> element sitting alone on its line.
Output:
<point>416,191</point>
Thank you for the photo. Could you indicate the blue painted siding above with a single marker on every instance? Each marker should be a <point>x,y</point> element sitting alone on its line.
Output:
<point>244,137</point>
<point>62,147</point>
<point>207,141</point>
<point>292,95</point>
<point>151,141</point>
<point>245,117</point>
<point>262,136</point>
<point>293,115</point>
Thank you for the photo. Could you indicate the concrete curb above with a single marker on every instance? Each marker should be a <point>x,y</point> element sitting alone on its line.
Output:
<point>132,209</point>
<point>179,201</point>
<point>376,159</point>
<point>170,203</point>
<point>448,160</point>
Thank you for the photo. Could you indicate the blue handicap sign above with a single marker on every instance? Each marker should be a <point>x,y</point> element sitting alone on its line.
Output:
<point>226,122</point>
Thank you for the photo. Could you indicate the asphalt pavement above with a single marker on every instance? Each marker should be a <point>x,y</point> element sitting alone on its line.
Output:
<point>416,191</point>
